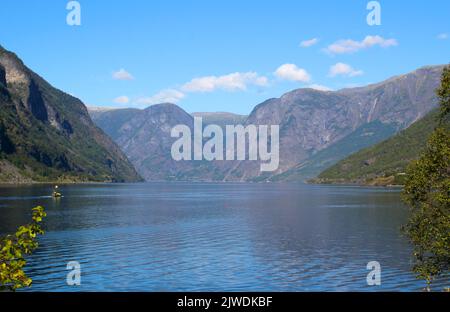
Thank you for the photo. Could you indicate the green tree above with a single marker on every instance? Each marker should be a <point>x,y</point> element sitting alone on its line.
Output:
<point>14,248</point>
<point>427,192</point>
<point>444,95</point>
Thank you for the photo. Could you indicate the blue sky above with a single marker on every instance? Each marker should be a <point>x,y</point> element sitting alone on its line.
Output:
<point>221,55</point>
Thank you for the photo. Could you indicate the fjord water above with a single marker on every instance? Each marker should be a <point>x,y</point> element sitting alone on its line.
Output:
<point>215,237</point>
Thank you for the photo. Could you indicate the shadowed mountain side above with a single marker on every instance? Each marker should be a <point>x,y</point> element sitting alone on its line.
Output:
<point>48,135</point>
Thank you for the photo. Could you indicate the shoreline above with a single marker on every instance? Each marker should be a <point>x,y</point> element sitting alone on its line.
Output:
<point>348,183</point>
<point>308,182</point>
<point>379,181</point>
<point>56,183</point>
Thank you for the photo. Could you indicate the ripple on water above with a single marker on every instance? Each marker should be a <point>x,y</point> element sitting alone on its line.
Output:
<point>216,237</point>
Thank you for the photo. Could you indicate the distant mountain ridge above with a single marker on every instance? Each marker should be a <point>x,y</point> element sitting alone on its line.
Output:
<point>48,135</point>
<point>221,118</point>
<point>317,129</point>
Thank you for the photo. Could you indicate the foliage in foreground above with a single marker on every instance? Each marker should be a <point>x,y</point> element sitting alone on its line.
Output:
<point>427,192</point>
<point>14,248</point>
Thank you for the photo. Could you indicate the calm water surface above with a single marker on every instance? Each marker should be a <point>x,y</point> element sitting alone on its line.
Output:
<point>215,237</point>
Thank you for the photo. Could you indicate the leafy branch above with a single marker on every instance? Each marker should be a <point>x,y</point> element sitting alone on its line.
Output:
<point>14,249</point>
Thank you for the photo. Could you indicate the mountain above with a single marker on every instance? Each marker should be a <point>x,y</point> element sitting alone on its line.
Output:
<point>386,162</point>
<point>48,135</point>
<point>317,128</point>
<point>144,136</point>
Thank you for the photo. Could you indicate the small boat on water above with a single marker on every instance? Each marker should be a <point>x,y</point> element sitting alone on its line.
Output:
<point>56,194</point>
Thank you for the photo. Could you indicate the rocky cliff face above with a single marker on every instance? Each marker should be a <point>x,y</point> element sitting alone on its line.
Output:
<point>51,133</point>
<point>317,128</point>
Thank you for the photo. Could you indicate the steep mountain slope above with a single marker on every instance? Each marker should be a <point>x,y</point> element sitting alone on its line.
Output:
<point>386,162</point>
<point>47,135</point>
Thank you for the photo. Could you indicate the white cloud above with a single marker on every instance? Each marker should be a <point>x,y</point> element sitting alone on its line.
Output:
<point>231,82</point>
<point>442,36</point>
<point>319,87</point>
<point>341,69</point>
<point>122,74</point>
<point>165,96</point>
<point>351,46</point>
<point>293,73</point>
<point>309,43</point>
<point>122,100</point>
